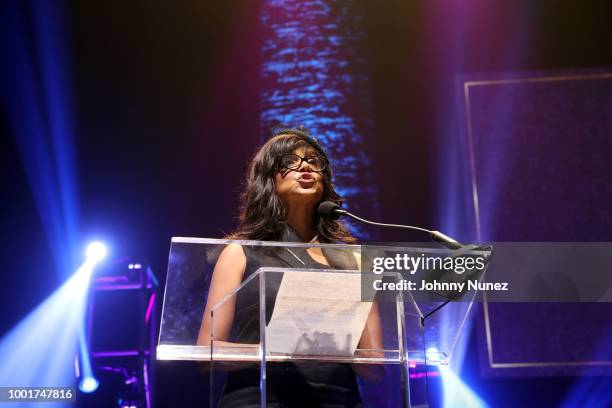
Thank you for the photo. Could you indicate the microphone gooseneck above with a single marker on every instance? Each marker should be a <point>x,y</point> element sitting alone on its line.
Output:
<point>329,209</point>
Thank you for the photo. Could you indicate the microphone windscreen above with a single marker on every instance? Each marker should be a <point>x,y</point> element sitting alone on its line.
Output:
<point>328,209</point>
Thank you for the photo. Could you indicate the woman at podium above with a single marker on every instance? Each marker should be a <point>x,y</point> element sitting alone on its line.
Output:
<point>287,179</point>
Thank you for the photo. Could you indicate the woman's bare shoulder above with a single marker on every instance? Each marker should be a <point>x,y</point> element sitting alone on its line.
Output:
<point>233,250</point>
<point>232,255</point>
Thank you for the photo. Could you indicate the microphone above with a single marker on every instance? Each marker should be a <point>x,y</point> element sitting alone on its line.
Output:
<point>329,209</point>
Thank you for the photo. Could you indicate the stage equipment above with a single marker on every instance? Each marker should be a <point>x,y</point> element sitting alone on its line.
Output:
<point>292,309</point>
<point>121,331</point>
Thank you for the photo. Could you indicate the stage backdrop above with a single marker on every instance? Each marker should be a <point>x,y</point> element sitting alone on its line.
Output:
<point>315,72</point>
<point>538,157</point>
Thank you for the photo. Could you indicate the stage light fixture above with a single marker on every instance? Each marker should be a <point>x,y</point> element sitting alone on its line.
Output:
<point>88,384</point>
<point>96,251</point>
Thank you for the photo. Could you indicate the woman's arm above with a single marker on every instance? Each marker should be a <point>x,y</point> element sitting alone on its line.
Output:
<point>370,342</point>
<point>227,276</point>
<point>371,338</point>
<point>371,345</point>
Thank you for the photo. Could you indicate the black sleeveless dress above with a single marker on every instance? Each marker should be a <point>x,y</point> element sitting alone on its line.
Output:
<point>311,384</point>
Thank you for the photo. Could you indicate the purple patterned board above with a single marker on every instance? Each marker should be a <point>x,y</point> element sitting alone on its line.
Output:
<point>539,147</point>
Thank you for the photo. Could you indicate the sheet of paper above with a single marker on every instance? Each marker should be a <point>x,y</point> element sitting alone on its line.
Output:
<point>317,313</point>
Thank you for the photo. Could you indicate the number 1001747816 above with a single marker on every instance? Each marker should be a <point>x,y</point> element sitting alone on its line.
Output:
<point>50,394</point>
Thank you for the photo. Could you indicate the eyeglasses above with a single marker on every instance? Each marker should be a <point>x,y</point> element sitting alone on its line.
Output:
<point>294,162</point>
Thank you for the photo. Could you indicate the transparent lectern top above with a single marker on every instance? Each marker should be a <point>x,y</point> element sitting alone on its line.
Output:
<point>308,301</point>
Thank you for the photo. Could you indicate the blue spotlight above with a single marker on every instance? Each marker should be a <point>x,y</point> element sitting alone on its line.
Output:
<point>457,393</point>
<point>96,251</point>
<point>41,348</point>
<point>88,384</point>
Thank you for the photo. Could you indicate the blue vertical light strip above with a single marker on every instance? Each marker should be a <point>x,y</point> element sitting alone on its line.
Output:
<point>50,20</point>
<point>454,31</point>
<point>315,73</point>
<point>36,97</point>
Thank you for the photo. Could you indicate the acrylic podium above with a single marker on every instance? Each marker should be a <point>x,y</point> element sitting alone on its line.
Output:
<point>307,304</point>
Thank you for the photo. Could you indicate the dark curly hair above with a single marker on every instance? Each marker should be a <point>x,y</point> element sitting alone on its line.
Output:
<point>262,213</point>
